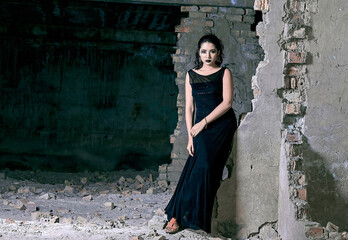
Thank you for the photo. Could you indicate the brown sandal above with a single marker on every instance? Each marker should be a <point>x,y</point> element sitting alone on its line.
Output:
<point>172,227</point>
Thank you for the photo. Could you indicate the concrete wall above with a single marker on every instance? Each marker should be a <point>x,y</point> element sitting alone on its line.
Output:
<point>326,119</point>
<point>86,86</point>
<point>249,198</point>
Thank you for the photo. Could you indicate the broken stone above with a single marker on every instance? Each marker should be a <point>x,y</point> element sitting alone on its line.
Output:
<point>88,198</point>
<point>38,215</point>
<point>67,183</point>
<point>121,180</point>
<point>123,218</point>
<point>150,178</point>
<point>64,211</point>
<point>54,219</point>
<point>23,190</point>
<point>130,180</point>
<point>68,189</point>
<point>157,223</point>
<point>150,190</point>
<point>20,205</point>
<point>109,205</point>
<point>9,221</point>
<point>140,179</point>
<point>136,192</point>
<point>126,192</point>
<point>139,186</point>
<point>67,220</point>
<point>84,191</point>
<point>81,220</point>
<point>38,191</point>
<point>159,212</point>
<point>83,180</point>
<point>163,184</point>
<point>136,215</point>
<point>332,227</point>
<point>5,202</point>
<point>32,189</point>
<point>12,188</point>
<point>104,192</point>
<point>47,196</point>
<point>31,207</point>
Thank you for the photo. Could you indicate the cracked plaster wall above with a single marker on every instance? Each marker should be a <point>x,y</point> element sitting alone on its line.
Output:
<point>249,198</point>
<point>326,119</point>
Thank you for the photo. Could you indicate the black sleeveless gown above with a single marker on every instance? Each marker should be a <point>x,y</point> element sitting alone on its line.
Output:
<point>193,199</point>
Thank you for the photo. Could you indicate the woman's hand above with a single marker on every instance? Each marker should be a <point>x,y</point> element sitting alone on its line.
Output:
<point>197,128</point>
<point>190,148</point>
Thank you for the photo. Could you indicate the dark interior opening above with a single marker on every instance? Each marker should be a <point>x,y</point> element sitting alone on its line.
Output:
<point>86,85</point>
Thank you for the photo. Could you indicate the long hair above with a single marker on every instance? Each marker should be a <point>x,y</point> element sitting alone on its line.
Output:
<point>211,38</point>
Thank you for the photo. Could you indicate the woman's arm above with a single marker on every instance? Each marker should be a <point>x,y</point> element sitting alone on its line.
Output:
<point>189,109</point>
<point>222,108</point>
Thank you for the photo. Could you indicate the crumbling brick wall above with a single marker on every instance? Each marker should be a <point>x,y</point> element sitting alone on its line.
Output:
<point>242,54</point>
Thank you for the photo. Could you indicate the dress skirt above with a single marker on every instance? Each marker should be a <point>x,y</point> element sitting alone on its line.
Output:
<point>193,199</point>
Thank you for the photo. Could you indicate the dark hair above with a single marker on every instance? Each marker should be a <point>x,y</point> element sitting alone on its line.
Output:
<point>211,38</point>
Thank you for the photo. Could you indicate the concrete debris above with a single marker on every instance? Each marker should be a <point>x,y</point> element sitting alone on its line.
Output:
<point>88,198</point>
<point>160,212</point>
<point>331,227</point>
<point>47,196</point>
<point>131,203</point>
<point>140,179</point>
<point>23,190</point>
<point>20,205</point>
<point>68,189</point>
<point>157,223</point>
<point>109,205</point>
<point>83,180</point>
<point>31,207</point>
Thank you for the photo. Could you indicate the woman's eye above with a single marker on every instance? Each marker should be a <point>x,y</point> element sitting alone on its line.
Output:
<point>203,51</point>
<point>213,51</point>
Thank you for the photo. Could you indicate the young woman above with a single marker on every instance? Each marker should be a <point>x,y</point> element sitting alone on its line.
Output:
<point>211,123</point>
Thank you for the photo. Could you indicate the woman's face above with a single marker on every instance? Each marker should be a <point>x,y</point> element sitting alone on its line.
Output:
<point>208,53</point>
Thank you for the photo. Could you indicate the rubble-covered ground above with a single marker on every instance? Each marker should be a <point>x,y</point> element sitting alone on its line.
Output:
<point>86,205</point>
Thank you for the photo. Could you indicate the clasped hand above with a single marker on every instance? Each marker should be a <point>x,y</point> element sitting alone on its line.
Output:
<point>197,128</point>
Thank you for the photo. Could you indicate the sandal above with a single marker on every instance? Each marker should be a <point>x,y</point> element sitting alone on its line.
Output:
<point>172,227</point>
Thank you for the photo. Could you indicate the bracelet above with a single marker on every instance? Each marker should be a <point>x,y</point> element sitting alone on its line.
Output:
<point>206,123</point>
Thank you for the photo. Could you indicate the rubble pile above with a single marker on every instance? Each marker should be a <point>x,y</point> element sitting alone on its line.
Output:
<point>96,205</point>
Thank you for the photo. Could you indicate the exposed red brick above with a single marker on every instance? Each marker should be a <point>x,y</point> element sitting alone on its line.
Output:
<point>172,139</point>
<point>292,46</point>
<point>261,5</point>
<point>292,82</point>
<point>302,194</point>
<point>209,23</point>
<point>256,93</point>
<point>208,9</point>
<point>189,8</point>
<point>296,57</point>
<point>302,180</point>
<point>181,28</point>
<point>293,109</point>
<point>293,137</point>
<point>197,15</point>
<point>315,232</point>
<point>293,71</point>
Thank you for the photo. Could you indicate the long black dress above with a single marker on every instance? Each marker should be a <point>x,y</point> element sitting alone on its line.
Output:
<point>193,199</point>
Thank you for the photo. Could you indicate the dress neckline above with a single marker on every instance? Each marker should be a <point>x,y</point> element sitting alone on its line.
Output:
<point>208,74</point>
